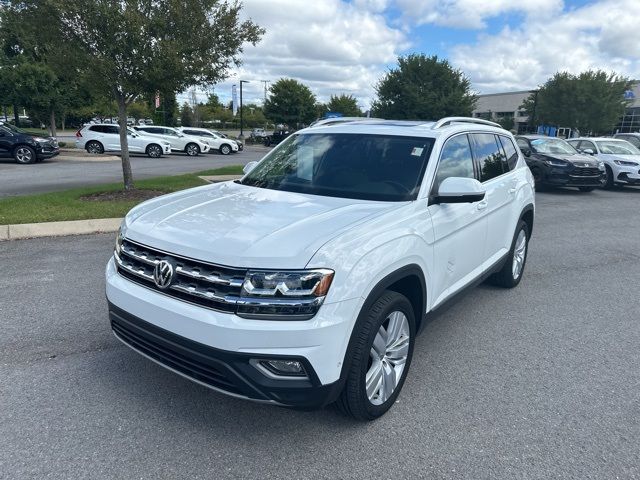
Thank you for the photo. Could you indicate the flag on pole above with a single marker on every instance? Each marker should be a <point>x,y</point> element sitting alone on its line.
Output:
<point>234,99</point>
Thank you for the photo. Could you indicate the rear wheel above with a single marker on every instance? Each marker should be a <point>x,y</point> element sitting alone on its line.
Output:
<point>94,147</point>
<point>225,149</point>
<point>587,189</point>
<point>154,151</point>
<point>511,273</point>
<point>24,155</point>
<point>380,357</point>
<point>192,149</point>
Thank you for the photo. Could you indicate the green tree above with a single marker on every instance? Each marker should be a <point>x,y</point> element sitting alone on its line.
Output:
<point>591,102</point>
<point>424,88</point>
<point>347,105</point>
<point>186,115</point>
<point>290,102</point>
<point>140,46</point>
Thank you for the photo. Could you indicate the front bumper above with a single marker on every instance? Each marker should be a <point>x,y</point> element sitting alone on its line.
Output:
<point>47,151</point>
<point>561,178</point>
<point>628,175</point>
<point>214,348</point>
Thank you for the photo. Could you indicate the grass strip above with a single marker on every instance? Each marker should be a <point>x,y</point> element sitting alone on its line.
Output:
<point>68,204</point>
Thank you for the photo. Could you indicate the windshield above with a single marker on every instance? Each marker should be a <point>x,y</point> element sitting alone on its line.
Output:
<point>368,167</point>
<point>553,145</point>
<point>617,148</point>
<point>15,129</point>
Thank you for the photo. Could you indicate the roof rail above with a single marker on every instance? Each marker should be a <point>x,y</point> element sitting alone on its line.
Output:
<point>443,122</point>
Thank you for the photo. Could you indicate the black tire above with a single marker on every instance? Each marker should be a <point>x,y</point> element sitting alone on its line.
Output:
<point>225,149</point>
<point>94,146</point>
<point>192,149</point>
<point>505,277</point>
<point>353,400</point>
<point>267,142</point>
<point>586,189</point>
<point>24,155</point>
<point>608,184</point>
<point>154,150</point>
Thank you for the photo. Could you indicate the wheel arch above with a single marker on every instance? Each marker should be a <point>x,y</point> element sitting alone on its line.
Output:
<point>527,215</point>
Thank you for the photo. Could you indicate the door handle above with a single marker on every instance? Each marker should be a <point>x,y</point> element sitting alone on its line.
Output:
<point>512,190</point>
<point>482,205</point>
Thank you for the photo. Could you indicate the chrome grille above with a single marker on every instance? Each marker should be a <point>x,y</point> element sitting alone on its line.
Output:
<point>210,285</point>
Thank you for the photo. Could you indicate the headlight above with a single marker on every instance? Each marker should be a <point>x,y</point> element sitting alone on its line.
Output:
<point>625,163</point>
<point>119,238</point>
<point>294,294</point>
<point>556,163</point>
<point>41,140</point>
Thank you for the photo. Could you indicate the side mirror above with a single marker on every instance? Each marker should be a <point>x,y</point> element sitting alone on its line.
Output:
<point>526,152</point>
<point>588,151</point>
<point>459,190</point>
<point>249,166</point>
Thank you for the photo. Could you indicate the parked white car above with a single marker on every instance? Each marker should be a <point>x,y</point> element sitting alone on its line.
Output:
<point>307,281</point>
<point>179,141</point>
<point>223,145</point>
<point>104,137</point>
<point>621,158</point>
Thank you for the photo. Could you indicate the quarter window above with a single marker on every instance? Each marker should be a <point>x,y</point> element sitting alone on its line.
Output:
<point>510,151</point>
<point>489,155</point>
<point>455,161</point>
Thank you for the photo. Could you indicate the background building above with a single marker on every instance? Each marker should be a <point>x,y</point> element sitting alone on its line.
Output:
<point>501,106</point>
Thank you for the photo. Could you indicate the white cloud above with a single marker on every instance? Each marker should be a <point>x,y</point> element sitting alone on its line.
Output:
<point>602,35</point>
<point>332,46</point>
<point>472,13</point>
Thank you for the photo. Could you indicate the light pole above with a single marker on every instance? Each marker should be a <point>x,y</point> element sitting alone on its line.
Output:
<point>241,137</point>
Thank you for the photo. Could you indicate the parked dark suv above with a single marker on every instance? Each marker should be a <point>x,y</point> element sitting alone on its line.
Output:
<point>23,147</point>
<point>555,163</point>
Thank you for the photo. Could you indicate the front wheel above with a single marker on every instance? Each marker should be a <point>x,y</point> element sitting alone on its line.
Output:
<point>608,184</point>
<point>380,357</point>
<point>24,155</point>
<point>192,149</point>
<point>587,189</point>
<point>225,149</point>
<point>154,151</point>
<point>511,272</point>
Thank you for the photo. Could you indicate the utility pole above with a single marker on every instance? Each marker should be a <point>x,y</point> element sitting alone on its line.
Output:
<point>266,83</point>
<point>241,137</point>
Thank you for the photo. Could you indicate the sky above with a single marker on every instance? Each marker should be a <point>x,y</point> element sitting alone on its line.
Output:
<point>345,46</point>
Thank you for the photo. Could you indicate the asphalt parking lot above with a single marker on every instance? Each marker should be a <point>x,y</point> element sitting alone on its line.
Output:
<point>55,174</point>
<point>542,381</point>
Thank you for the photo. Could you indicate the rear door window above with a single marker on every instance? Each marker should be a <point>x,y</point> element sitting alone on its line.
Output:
<point>488,154</point>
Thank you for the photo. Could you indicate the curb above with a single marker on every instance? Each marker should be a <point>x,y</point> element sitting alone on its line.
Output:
<point>58,229</point>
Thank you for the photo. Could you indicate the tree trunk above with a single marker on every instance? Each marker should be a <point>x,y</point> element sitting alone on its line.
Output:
<point>127,175</point>
<point>16,115</point>
<point>52,123</point>
<point>63,121</point>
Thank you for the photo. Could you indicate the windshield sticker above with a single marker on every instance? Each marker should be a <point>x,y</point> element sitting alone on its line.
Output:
<point>417,151</point>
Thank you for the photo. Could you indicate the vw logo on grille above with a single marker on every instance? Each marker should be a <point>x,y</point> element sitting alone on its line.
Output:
<point>163,274</point>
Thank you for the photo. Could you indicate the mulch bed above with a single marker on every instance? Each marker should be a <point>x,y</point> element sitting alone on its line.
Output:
<point>122,195</point>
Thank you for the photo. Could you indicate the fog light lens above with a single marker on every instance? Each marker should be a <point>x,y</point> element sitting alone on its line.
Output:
<point>288,368</point>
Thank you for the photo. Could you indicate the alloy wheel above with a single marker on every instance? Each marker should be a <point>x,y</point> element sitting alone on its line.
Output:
<point>192,150</point>
<point>519,253</point>
<point>154,151</point>
<point>24,155</point>
<point>387,358</point>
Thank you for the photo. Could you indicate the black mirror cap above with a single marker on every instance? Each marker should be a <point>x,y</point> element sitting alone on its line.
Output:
<point>464,198</point>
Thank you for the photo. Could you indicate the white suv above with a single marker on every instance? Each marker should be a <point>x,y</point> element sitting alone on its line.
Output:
<point>104,137</point>
<point>223,145</point>
<point>179,141</point>
<point>306,282</point>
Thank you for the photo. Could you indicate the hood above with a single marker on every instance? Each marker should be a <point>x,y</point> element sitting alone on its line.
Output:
<point>242,226</point>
